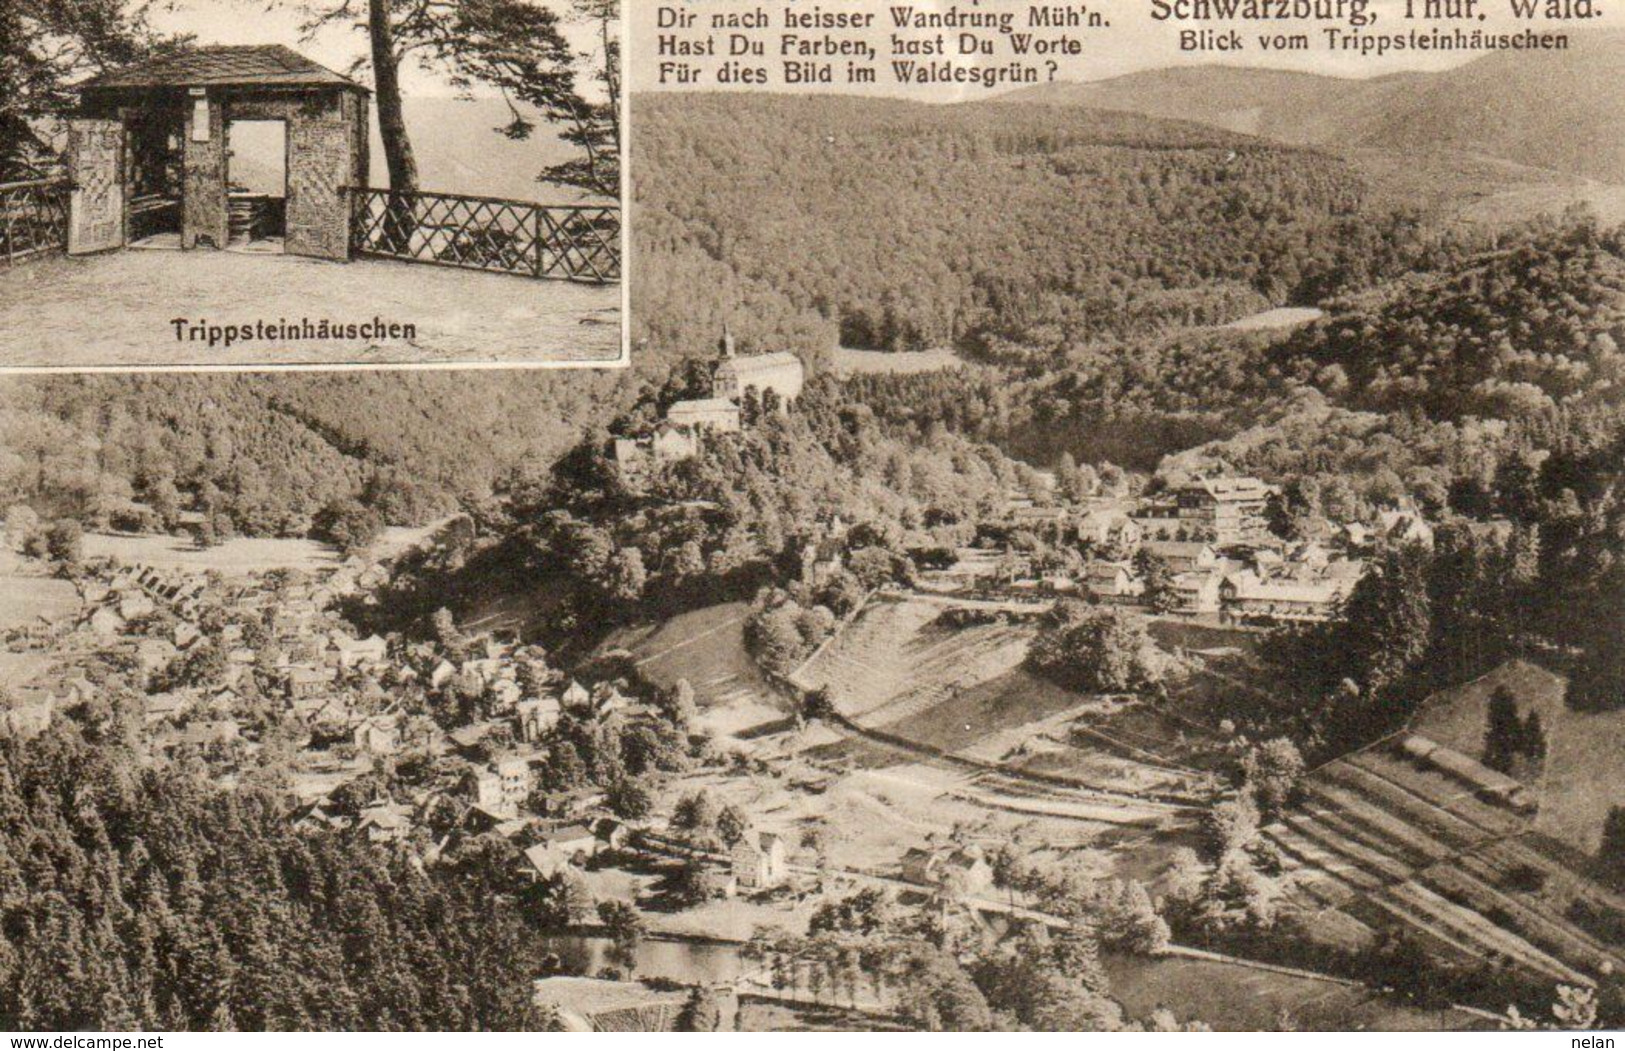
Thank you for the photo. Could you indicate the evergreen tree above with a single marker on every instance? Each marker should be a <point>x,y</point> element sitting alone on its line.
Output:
<point>1158,577</point>
<point>700,1013</point>
<point>1503,736</point>
<point>1611,851</point>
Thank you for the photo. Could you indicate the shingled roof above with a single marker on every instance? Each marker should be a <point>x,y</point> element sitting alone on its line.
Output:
<point>269,64</point>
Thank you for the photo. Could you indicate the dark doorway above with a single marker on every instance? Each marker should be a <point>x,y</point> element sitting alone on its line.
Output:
<point>155,182</point>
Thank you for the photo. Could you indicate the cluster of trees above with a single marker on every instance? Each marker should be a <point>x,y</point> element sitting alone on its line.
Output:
<point>147,900</point>
<point>1509,738</point>
<point>1398,390</point>
<point>940,975</point>
<point>522,49</point>
<point>898,226</point>
<point>781,632</point>
<point>61,542</point>
<point>45,47</point>
<point>1095,650</point>
<point>786,625</point>
<point>1509,334</point>
<point>744,513</point>
<point>1363,665</point>
<point>263,456</point>
<point>627,759</point>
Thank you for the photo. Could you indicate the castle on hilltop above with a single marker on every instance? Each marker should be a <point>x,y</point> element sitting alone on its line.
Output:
<point>780,372</point>
<point>761,382</point>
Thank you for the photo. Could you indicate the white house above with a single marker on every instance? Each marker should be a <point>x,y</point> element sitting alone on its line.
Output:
<point>758,860</point>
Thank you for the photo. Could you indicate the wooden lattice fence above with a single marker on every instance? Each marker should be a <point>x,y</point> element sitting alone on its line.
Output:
<point>33,218</point>
<point>581,242</point>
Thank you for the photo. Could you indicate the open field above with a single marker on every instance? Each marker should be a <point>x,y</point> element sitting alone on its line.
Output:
<point>707,648</point>
<point>896,665</point>
<point>1525,203</point>
<point>1234,998</point>
<point>765,1016</point>
<point>1388,840</point>
<point>118,309</point>
<point>25,597</point>
<point>952,732</point>
<point>1579,785</point>
<point>849,362</point>
<point>962,692</point>
<point>1280,317</point>
<point>239,556</point>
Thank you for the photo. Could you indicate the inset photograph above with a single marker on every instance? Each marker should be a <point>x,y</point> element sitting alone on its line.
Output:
<point>341,184</point>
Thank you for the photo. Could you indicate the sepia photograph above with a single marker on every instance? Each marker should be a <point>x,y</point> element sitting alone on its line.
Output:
<point>1111,523</point>
<point>238,183</point>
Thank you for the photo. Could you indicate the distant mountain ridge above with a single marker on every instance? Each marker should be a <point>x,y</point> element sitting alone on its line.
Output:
<point>458,150</point>
<point>1557,110</point>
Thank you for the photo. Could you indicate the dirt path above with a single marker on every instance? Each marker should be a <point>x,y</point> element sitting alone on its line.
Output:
<point>691,640</point>
<point>119,310</point>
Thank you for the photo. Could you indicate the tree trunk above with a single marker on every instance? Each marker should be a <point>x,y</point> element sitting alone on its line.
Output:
<point>403,166</point>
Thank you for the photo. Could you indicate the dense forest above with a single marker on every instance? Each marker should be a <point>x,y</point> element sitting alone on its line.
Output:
<point>145,899</point>
<point>1505,335</point>
<point>262,455</point>
<point>1509,332</point>
<point>899,226</point>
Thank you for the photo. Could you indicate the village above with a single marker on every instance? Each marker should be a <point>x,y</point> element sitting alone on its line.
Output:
<point>671,809</point>
<point>1201,548</point>
<point>431,746</point>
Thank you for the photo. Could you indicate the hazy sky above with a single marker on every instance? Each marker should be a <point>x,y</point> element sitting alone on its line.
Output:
<point>278,21</point>
<point>1134,41</point>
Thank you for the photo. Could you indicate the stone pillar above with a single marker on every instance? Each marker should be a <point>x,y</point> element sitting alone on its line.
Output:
<point>205,214</point>
<point>321,165</point>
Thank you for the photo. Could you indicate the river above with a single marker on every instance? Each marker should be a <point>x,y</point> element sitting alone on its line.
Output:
<point>678,960</point>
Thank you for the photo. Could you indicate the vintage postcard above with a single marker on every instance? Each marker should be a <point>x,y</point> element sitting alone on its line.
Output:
<point>1114,522</point>
<point>237,184</point>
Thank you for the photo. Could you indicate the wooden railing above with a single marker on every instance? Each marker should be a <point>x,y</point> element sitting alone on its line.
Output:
<point>579,242</point>
<point>33,218</point>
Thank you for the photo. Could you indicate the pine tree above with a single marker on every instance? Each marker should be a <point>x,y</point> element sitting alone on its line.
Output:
<point>700,1014</point>
<point>1503,737</point>
<point>1611,851</point>
<point>1532,738</point>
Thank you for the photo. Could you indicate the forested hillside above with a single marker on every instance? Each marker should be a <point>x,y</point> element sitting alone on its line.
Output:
<point>266,452</point>
<point>900,226</point>
<point>150,900</point>
<point>1506,335</point>
<point>714,526</point>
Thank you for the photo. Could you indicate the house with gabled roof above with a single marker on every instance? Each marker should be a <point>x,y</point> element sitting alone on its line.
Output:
<point>759,861</point>
<point>377,735</point>
<point>576,695</point>
<point>153,137</point>
<point>29,714</point>
<point>536,716</point>
<point>954,869</point>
